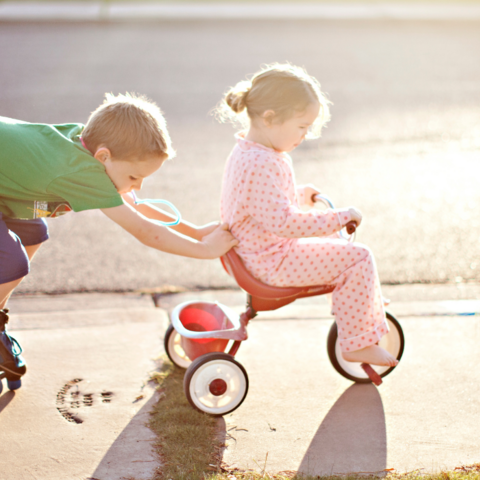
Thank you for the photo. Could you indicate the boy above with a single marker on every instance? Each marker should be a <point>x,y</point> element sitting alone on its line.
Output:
<point>49,170</point>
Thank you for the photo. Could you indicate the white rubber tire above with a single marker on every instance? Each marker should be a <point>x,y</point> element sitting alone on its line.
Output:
<point>215,367</point>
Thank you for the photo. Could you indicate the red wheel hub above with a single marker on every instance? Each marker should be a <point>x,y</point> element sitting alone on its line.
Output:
<point>218,387</point>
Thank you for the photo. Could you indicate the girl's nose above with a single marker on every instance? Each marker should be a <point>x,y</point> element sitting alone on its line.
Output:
<point>139,184</point>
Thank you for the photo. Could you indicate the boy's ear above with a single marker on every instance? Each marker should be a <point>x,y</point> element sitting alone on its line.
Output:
<point>268,116</point>
<point>102,154</point>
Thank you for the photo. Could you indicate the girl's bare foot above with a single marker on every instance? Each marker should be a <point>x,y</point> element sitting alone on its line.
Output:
<point>373,355</point>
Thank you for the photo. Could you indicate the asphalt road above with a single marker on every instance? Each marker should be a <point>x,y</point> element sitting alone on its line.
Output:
<point>403,145</point>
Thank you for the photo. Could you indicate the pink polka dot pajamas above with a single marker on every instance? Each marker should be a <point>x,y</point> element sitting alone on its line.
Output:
<point>282,245</point>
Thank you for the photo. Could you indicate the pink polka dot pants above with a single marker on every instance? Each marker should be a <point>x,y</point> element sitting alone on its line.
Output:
<point>357,300</point>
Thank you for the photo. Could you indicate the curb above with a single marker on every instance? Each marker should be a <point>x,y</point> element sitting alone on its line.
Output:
<point>124,11</point>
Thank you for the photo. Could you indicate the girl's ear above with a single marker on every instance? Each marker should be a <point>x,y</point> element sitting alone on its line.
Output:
<point>267,117</point>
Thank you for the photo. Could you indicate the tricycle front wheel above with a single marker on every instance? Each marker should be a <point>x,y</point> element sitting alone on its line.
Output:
<point>393,342</point>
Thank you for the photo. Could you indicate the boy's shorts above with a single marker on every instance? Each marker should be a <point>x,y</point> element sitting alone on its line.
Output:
<point>14,236</point>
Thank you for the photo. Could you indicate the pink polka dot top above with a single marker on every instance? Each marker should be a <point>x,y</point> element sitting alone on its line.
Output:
<point>261,204</point>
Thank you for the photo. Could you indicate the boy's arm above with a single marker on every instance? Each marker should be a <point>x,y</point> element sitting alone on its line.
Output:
<point>162,238</point>
<point>185,228</point>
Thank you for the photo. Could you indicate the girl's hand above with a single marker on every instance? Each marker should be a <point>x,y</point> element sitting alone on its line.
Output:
<point>219,241</point>
<point>310,191</point>
<point>356,215</point>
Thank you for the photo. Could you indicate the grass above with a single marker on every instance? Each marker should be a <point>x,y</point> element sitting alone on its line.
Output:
<point>407,476</point>
<point>186,438</point>
<point>190,447</point>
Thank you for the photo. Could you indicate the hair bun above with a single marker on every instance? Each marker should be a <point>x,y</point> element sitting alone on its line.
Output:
<point>236,98</point>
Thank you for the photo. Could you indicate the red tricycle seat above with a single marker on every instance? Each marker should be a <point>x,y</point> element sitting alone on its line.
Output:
<point>266,297</point>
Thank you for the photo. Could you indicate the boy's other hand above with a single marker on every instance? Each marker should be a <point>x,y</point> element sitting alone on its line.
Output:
<point>219,241</point>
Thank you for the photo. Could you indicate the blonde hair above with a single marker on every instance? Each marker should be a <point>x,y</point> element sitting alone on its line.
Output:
<point>284,88</point>
<point>130,126</point>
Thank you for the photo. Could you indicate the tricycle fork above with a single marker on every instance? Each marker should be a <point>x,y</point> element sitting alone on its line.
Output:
<point>245,317</point>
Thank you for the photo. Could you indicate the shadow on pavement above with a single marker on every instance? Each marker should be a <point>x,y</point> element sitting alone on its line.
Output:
<point>131,455</point>
<point>5,399</point>
<point>351,438</point>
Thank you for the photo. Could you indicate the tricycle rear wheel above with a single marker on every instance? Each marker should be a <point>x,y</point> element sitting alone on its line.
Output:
<point>215,383</point>
<point>174,349</point>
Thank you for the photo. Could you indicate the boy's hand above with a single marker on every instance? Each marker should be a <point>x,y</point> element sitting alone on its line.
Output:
<point>219,241</point>
<point>205,230</point>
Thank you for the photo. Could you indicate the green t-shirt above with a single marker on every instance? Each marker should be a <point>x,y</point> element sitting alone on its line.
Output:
<point>45,170</point>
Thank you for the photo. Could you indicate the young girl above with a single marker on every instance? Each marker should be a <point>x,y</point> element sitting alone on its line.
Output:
<point>279,243</point>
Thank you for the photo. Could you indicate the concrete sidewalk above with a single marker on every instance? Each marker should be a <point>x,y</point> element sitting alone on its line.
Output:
<point>301,415</point>
<point>153,11</point>
<point>85,400</point>
<point>81,411</point>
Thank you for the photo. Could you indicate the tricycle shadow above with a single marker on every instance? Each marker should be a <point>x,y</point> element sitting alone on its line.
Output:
<point>352,436</point>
